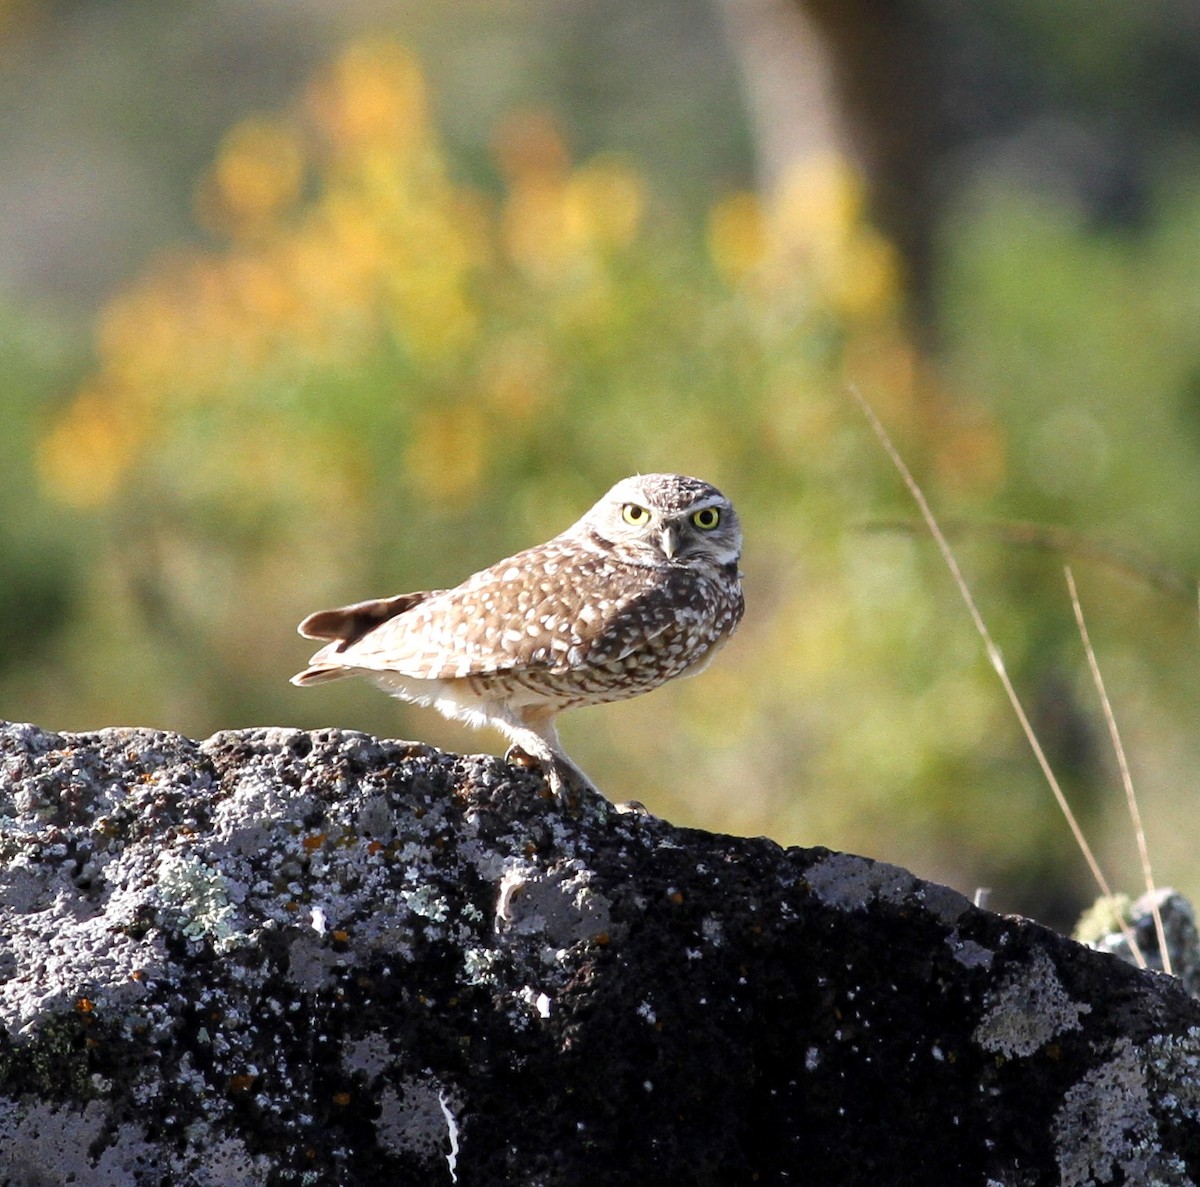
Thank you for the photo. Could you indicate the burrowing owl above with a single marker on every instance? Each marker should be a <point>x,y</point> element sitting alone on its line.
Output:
<point>642,589</point>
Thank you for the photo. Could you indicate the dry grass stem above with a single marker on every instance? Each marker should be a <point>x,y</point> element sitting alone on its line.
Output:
<point>1126,779</point>
<point>997,660</point>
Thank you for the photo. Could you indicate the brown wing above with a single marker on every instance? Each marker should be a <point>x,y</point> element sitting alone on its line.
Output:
<point>553,608</point>
<point>544,608</point>
<point>632,621</point>
<point>680,615</point>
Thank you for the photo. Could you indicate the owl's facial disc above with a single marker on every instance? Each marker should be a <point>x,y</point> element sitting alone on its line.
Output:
<point>667,517</point>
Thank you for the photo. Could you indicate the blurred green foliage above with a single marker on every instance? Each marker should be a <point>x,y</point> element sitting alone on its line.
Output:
<point>382,379</point>
<point>42,573</point>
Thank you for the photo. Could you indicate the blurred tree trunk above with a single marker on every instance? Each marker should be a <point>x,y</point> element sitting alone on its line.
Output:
<point>788,85</point>
<point>859,76</point>
<point>885,75</point>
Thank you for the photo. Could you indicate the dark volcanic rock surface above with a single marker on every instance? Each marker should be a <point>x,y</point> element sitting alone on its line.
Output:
<point>281,957</point>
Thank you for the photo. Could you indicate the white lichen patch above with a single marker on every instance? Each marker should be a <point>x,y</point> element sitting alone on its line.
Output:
<point>428,902</point>
<point>1027,1009</point>
<point>558,905</point>
<point>849,883</point>
<point>413,1120</point>
<point>942,902</point>
<point>202,894</point>
<point>479,965</point>
<point>67,1139</point>
<point>1173,1062</point>
<point>212,1160</point>
<point>371,1055</point>
<point>1105,1126</point>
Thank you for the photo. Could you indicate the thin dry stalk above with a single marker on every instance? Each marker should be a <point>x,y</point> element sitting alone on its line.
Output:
<point>1126,779</point>
<point>997,660</point>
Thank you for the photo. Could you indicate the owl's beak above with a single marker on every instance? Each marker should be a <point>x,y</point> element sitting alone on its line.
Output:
<point>670,541</point>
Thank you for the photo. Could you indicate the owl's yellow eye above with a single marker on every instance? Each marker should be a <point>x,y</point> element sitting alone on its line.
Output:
<point>634,515</point>
<point>706,518</point>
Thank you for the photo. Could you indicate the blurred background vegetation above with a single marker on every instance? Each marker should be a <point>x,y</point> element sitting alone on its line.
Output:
<point>306,303</point>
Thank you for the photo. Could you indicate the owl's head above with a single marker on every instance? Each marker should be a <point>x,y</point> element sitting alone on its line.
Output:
<point>667,517</point>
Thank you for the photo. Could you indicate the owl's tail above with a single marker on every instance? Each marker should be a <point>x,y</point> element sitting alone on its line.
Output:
<point>344,626</point>
<point>320,674</point>
<point>348,624</point>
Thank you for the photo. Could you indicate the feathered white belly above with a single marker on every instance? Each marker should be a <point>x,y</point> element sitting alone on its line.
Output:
<point>459,699</point>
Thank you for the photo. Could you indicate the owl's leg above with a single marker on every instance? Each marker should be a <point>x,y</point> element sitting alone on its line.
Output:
<point>537,739</point>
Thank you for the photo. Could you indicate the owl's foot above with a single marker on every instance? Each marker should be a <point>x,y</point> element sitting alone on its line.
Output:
<point>565,782</point>
<point>572,788</point>
<point>517,756</point>
<point>633,808</point>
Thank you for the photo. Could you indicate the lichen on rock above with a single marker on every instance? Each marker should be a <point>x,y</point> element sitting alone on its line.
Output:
<point>282,957</point>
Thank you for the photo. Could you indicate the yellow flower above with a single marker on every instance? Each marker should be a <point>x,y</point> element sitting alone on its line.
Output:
<point>257,176</point>
<point>83,457</point>
<point>558,224</point>
<point>373,96</point>
<point>818,228</point>
<point>737,236</point>
<point>446,456</point>
<point>602,205</point>
<point>517,375</point>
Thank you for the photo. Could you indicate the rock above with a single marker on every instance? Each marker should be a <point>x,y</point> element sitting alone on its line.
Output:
<point>1099,928</point>
<point>284,957</point>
